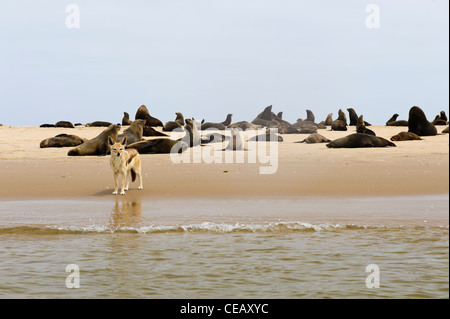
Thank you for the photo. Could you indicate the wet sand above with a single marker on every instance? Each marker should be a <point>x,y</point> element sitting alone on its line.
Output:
<point>411,168</point>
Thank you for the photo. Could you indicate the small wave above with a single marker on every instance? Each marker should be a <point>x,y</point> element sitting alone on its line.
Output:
<point>205,227</point>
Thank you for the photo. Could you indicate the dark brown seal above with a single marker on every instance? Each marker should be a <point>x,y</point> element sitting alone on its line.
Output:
<point>172,125</point>
<point>394,122</point>
<point>418,123</point>
<point>361,127</point>
<point>65,124</point>
<point>98,145</point>
<point>159,146</point>
<point>142,113</point>
<point>134,132</point>
<point>126,119</point>
<point>405,136</point>
<point>62,140</point>
<point>220,126</point>
<point>98,124</point>
<point>315,138</point>
<point>357,140</point>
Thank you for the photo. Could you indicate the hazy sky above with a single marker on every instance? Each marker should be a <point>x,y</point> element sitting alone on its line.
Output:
<point>207,58</point>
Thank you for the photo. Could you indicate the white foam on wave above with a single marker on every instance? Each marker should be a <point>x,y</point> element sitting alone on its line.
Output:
<point>210,227</point>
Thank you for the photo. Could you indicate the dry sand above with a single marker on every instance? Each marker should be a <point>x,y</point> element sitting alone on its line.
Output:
<point>411,168</point>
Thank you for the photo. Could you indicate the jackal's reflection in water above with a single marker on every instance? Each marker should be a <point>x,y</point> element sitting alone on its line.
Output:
<point>126,213</point>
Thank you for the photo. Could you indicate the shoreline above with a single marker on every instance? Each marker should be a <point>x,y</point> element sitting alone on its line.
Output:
<point>303,170</point>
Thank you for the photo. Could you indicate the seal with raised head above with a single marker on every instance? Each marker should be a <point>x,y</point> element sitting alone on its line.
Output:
<point>220,126</point>
<point>438,120</point>
<point>265,116</point>
<point>361,127</point>
<point>172,125</point>
<point>340,124</point>
<point>315,138</point>
<point>357,140</point>
<point>158,146</point>
<point>98,145</point>
<point>418,123</point>
<point>310,116</point>
<point>353,116</point>
<point>142,113</point>
<point>194,135</point>
<point>329,119</point>
<point>133,133</point>
<point>126,119</point>
<point>405,136</point>
<point>394,122</point>
<point>62,140</point>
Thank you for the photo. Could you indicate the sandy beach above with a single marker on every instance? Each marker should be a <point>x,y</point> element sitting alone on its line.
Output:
<point>411,168</point>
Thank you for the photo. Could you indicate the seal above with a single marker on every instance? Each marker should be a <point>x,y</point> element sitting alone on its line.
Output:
<point>270,136</point>
<point>340,124</point>
<point>172,125</point>
<point>98,124</point>
<point>405,136</point>
<point>220,126</point>
<point>264,117</point>
<point>47,125</point>
<point>98,145</point>
<point>244,125</point>
<point>62,140</point>
<point>158,146</point>
<point>214,138</point>
<point>133,133</point>
<point>126,119</point>
<point>194,135</point>
<point>236,143</point>
<point>142,113</point>
<point>357,140</point>
<point>150,131</point>
<point>315,138</point>
<point>446,130</point>
<point>394,122</point>
<point>65,124</point>
<point>310,116</point>
<point>307,129</point>
<point>329,119</point>
<point>361,127</point>
<point>440,119</point>
<point>342,117</point>
<point>418,123</point>
<point>353,116</point>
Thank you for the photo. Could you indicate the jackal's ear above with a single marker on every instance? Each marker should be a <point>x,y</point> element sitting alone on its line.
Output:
<point>123,141</point>
<point>111,141</point>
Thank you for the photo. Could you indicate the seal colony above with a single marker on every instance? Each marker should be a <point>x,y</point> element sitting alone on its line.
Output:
<point>197,134</point>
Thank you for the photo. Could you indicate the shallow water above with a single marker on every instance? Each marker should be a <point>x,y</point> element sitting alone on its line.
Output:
<point>303,248</point>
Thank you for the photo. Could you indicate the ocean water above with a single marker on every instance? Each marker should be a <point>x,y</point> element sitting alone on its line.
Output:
<point>394,247</point>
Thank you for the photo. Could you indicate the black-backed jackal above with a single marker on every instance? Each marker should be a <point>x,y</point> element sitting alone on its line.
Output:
<point>126,162</point>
